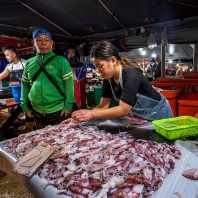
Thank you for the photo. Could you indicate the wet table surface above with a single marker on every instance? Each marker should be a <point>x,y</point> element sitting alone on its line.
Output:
<point>174,182</point>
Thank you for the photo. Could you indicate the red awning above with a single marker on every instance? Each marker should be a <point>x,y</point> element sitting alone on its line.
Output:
<point>23,46</point>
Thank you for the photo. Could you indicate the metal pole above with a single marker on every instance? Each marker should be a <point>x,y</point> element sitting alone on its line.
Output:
<point>143,66</point>
<point>163,61</point>
<point>112,14</point>
<point>195,58</point>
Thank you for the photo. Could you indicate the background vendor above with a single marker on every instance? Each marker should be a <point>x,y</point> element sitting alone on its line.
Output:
<point>15,66</point>
<point>127,85</point>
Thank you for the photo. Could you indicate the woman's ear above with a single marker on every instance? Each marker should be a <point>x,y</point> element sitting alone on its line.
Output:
<point>113,59</point>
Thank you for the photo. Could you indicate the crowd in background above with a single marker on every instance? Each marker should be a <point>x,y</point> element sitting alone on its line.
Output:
<point>153,70</point>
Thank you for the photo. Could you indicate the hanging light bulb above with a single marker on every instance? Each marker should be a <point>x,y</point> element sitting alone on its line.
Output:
<point>164,38</point>
<point>143,52</point>
<point>153,55</point>
<point>151,41</point>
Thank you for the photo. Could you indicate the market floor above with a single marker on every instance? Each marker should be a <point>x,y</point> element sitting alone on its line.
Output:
<point>9,187</point>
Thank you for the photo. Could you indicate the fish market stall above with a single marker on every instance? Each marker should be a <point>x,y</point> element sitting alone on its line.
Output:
<point>94,163</point>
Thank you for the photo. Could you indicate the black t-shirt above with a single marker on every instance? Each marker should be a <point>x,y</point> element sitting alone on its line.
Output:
<point>133,82</point>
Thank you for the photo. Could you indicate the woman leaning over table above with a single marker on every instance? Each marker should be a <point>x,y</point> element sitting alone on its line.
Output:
<point>127,85</point>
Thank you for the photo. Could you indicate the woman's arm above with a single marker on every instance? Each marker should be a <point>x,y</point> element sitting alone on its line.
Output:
<point>104,103</point>
<point>113,112</point>
<point>101,113</point>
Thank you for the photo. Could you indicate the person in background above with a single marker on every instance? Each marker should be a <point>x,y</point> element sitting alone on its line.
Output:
<point>40,98</point>
<point>15,67</point>
<point>157,72</point>
<point>126,84</point>
<point>167,71</point>
<point>151,69</point>
<point>179,72</point>
<point>172,71</point>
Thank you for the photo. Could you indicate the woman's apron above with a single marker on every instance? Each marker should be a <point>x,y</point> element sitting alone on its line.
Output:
<point>145,107</point>
<point>16,75</point>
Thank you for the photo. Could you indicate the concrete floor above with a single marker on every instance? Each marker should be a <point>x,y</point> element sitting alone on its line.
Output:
<point>9,187</point>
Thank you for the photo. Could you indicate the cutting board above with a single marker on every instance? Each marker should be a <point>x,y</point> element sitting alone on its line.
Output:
<point>33,159</point>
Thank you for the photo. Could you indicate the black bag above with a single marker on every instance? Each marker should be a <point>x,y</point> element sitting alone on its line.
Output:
<point>42,69</point>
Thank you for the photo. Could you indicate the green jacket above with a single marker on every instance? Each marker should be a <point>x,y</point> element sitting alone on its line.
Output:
<point>42,94</point>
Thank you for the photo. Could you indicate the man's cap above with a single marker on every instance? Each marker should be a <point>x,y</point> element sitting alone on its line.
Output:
<point>41,31</point>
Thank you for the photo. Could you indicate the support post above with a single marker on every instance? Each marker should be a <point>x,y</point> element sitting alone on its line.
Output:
<point>163,61</point>
<point>195,58</point>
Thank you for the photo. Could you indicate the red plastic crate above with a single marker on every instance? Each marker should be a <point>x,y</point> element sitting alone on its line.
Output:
<point>190,74</point>
<point>175,82</point>
<point>172,95</point>
<point>188,104</point>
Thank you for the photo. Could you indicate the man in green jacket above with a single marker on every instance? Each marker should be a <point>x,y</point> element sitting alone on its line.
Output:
<point>40,99</point>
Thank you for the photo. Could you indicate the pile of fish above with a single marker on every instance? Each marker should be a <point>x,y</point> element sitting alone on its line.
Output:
<point>93,163</point>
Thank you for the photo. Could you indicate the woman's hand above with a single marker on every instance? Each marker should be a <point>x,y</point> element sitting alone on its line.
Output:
<point>82,115</point>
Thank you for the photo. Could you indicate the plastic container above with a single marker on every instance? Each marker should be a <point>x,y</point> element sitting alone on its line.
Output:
<point>97,94</point>
<point>190,74</point>
<point>172,95</point>
<point>176,128</point>
<point>188,104</point>
<point>5,83</point>
<point>16,91</point>
<point>174,82</point>
<point>90,98</point>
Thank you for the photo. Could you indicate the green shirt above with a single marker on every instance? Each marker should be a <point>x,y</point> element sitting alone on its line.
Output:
<point>42,94</point>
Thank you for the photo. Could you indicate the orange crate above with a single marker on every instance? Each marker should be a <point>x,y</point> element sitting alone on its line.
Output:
<point>174,82</point>
<point>172,95</point>
<point>190,74</point>
<point>188,104</point>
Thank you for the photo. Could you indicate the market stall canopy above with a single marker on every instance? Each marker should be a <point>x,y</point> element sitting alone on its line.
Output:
<point>23,46</point>
<point>178,53</point>
<point>88,20</point>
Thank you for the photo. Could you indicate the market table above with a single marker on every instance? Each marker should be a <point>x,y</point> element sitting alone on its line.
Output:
<point>12,117</point>
<point>174,182</point>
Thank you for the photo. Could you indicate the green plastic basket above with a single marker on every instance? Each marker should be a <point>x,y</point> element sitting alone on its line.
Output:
<point>178,127</point>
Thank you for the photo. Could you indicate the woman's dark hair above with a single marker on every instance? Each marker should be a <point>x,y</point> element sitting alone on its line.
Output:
<point>10,48</point>
<point>104,50</point>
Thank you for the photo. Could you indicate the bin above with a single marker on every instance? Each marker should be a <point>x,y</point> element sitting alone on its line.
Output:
<point>172,94</point>
<point>90,98</point>
<point>5,83</point>
<point>97,95</point>
<point>16,92</point>
<point>188,104</point>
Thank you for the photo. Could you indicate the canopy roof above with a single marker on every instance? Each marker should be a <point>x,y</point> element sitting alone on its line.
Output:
<point>93,20</point>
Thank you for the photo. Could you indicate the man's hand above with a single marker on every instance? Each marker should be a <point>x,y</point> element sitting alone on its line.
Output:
<point>29,114</point>
<point>66,113</point>
<point>69,120</point>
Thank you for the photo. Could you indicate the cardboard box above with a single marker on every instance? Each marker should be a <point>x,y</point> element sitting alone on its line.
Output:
<point>34,158</point>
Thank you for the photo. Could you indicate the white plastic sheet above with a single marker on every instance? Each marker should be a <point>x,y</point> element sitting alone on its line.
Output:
<point>175,182</point>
